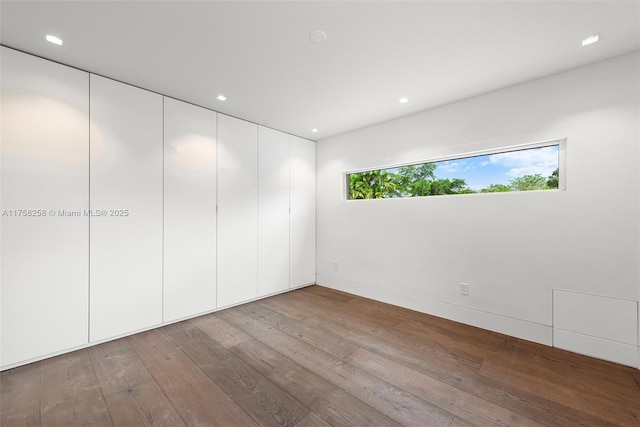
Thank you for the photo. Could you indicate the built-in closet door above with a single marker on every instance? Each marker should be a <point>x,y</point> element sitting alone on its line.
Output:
<point>189,210</point>
<point>303,212</point>
<point>45,188</point>
<point>237,210</point>
<point>273,211</point>
<point>126,199</point>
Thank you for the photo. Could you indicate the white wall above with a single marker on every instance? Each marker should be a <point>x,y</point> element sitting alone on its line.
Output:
<point>512,248</point>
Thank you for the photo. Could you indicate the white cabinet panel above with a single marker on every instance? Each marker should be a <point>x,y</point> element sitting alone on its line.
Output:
<point>303,212</point>
<point>126,176</point>
<point>273,211</point>
<point>237,210</point>
<point>189,210</point>
<point>45,166</point>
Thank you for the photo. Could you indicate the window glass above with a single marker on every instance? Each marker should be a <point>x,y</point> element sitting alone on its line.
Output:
<point>517,170</point>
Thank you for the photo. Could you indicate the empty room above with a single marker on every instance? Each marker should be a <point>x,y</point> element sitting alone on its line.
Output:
<point>320,213</point>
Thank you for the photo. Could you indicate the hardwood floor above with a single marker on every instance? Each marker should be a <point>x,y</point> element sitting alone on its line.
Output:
<point>318,357</point>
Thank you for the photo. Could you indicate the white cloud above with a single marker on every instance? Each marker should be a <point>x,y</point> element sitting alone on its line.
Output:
<point>455,166</point>
<point>450,166</point>
<point>541,161</point>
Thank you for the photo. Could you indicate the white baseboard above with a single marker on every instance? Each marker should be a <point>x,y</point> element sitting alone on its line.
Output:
<point>613,351</point>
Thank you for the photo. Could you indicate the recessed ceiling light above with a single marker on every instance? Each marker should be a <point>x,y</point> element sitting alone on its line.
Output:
<point>314,130</point>
<point>590,40</point>
<point>318,36</point>
<point>54,40</point>
<point>403,100</point>
<point>221,98</point>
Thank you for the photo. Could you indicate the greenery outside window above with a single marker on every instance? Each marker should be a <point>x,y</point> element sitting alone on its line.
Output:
<point>515,169</point>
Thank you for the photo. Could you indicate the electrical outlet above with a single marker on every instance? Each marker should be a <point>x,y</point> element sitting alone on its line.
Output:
<point>464,289</point>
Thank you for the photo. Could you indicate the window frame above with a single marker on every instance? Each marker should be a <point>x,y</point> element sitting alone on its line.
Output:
<point>562,168</point>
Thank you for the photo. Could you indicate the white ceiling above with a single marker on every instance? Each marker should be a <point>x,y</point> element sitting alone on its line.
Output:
<point>259,54</point>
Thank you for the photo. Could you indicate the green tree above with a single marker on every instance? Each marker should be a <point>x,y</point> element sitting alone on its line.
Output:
<point>420,180</point>
<point>449,186</point>
<point>408,181</point>
<point>372,185</point>
<point>552,181</point>
<point>496,188</point>
<point>416,180</point>
<point>528,183</point>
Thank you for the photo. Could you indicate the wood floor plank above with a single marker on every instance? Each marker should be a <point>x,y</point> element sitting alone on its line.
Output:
<point>392,344</point>
<point>369,309</point>
<point>526,404</point>
<point>220,330</point>
<point>360,331</point>
<point>266,403</point>
<point>393,312</point>
<point>457,422</point>
<point>287,307</point>
<point>321,303</point>
<point>20,396</point>
<point>312,420</point>
<point>391,401</point>
<point>531,405</point>
<point>143,404</point>
<point>332,404</point>
<point>197,399</point>
<point>504,355</point>
<point>636,378</point>
<point>70,392</point>
<point>329,293</point>
<point>461,404</point>
<point>466,341</point>
<point>607,377</point>
<point>588,394</point>
<point>117,367</point>
<point>319,357</point>
<point>317,335</point>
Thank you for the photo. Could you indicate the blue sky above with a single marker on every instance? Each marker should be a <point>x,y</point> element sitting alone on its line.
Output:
<point>481,171</point>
